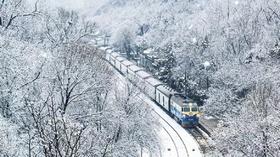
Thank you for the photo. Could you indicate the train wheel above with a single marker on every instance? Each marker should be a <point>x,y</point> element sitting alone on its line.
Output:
<point>180,122</point>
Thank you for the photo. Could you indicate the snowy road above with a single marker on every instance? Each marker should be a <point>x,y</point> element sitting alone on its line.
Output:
<point>175,141</point>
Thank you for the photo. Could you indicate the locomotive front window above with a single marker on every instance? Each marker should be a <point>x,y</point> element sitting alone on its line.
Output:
<point>194,109</point>
<point>186,109</point>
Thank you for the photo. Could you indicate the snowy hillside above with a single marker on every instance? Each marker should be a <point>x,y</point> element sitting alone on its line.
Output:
<point>240,40</point>
<point>57,94</point>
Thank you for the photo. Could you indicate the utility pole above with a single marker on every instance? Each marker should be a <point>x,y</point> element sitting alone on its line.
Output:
<point>206,67</point>
<point>185,83</point>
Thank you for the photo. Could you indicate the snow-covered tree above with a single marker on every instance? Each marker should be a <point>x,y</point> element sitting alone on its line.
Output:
<point>124,42</point>
<point>239,39</point>
<point>56,96</point>
<point>15,11</point>
<point>254,131</point>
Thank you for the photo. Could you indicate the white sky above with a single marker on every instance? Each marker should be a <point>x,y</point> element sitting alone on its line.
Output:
<point>69,4</point>
<point>72,4</point>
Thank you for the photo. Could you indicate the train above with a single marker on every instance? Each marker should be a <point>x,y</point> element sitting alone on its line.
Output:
<point>184,110</point>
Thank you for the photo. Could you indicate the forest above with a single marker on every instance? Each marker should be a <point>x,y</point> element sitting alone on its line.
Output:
<point>239,41</point>
<point>57,94</point>
<point>58,97</point>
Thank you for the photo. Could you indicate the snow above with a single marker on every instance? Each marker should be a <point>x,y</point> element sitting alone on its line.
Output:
<point>103,48</point>
<point>194,40</point>
<point>164,89</point>
<point>143,74</point>
<point>120,58</point>
<point>195,31</point>
<point>187,138</point>
<point>110,51</point>
<point>68,4</point>
<point>154,81</point>
<point>115,54</point>
<point>209,117</point>
<point>206,64</point>
<point>134,68</point>
<point>191,26</point>
<point>127,63</point>
<point>168,148</point>
<point>148,51</point>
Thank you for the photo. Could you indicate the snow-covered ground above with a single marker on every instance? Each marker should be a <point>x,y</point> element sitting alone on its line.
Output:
<point>185,138</point>
<point>175,140</point>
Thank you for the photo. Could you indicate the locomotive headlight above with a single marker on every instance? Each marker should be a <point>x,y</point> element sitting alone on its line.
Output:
<point>185,116</point>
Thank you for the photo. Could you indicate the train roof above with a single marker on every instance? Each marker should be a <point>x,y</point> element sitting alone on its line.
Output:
<point>135,68</point>
<point>103,48</point>
<point>120,58</point>
<point>127,63</point>
<point>153,81</point>
<point>143,74</point>
<point>180,100</point>
<point>109,50</point>
<point>115,54</point>
<point>165,90</point>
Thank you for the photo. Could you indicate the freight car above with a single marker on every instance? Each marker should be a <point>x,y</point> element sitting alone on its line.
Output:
<point>184,110</point>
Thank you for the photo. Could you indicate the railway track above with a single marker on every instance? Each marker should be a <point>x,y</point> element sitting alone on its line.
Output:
<point>180,147</point>
<point>197,133</point>
<point>173,141</point>
<point>200,137</point>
